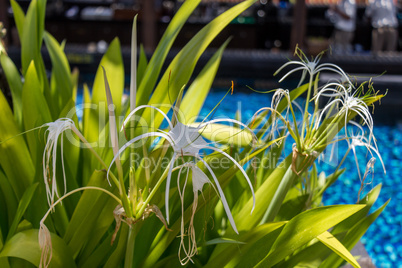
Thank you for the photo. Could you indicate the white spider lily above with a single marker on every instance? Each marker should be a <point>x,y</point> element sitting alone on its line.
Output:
<point>312,68</point>
<point>186,141</point>
<point>276,99</point>
<point>348,103</point>
<point>55,129</point>
<point>361,140</point>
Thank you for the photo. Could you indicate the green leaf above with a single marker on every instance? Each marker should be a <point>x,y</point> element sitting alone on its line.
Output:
<point>263,197</point>
<point>25,245</point>
<point>225,134</point>
<point>330,241</point>
<point>61,87</point>
<point>199,89</point>
<point>305,227</point>
<point>35,112</point>
<point>369,201</point>
<point>223,241</point>
<point>148,80</point>
<point>353,235</point>
<point>256,241</point>
<point>22,206</point>
<point>89,215</point>
<point>117,256</point>
<point>31,41</point>
<point>112,61</point>
<point>142,66</point>
<point>10,202</point>
<point>181,68</point>
<point>15,84</point>
<point>14,159</point>
<point>19,17</point>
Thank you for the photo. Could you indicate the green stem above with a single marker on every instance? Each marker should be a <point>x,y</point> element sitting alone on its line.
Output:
<point>305,117</point>
<point>128,262</point>
<point>322,137</point>
<point>153,191</point>
<point>279,196</point>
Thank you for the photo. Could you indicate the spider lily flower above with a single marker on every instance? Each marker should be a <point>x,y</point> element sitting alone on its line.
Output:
<point>360,140</point>
<point>311,67</point>
<point>369,169</point>
<point>276,98</point>
<point>55,130</point>
<point>186,141</point>
<point>348,103</point>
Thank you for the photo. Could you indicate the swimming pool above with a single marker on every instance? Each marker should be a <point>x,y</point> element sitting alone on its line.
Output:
<point>383,241</point>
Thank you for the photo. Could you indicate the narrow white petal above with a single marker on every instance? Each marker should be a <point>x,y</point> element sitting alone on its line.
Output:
<point>241,169</point>
<point>169,176</point>
<point>143,107</point>
<point>222,196</point>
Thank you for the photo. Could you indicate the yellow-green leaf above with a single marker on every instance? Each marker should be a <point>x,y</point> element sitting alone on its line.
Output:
<point>305,227</point>
<point>225,134</point>
<point>330,241</point>
<point>25,245</point>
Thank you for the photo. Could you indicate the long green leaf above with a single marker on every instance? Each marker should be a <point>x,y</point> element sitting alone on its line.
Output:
<point>35,112</point>
<point>353,236</point>
<point>225,134</point>
<point>10,203</point>
<point>23,205</point>
<point>15,84</point>
<point>230,255</point>
<point>199,89</point>
<point>13,159</point>
<point>19,17</point>
<point>31,41</point>
<point>142,66</point>
<point>330,241</point>
<point>305,227</point>
<point>88,216</point>
<point>154,67</point>
<point>112,61</point>
<point>61,87</point>
<point>25,245</point>
<point>181,68</point>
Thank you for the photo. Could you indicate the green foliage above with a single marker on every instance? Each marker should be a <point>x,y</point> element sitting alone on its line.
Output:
<point>115,221</point>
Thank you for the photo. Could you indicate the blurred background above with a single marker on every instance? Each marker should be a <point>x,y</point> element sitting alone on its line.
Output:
<point>263,38</point>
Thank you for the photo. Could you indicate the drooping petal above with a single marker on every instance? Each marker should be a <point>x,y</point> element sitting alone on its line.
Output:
<point>168,186</point>
<point>222,196</point>
<point>199,178</point>
<point>241,169</point>
<point>45,244</point>
<point>55,129</point>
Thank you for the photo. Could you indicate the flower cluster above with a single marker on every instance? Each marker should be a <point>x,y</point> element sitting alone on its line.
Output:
<point>186,143</point>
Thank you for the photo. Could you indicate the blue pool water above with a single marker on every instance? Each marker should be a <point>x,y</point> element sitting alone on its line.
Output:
<point>383,240</point>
